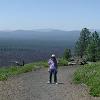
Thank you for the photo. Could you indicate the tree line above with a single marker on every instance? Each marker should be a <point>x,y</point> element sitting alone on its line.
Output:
<point>88,45</point>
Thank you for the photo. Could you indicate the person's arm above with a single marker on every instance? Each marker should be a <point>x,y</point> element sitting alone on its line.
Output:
<point>57,63</point>
<point>49,62</point>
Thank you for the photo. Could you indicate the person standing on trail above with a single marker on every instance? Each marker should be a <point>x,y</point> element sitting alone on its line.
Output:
<point>52,69</point>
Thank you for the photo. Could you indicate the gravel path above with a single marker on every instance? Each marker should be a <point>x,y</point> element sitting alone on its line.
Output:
<point>33,86</point>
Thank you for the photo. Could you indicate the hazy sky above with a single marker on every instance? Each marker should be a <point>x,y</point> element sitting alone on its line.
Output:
<point>56,14</point>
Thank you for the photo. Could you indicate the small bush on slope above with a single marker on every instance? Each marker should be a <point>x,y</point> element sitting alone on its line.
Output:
<point>89,75</point>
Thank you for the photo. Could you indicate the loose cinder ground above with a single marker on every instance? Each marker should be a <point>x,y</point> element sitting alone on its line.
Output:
<point>33,86</point>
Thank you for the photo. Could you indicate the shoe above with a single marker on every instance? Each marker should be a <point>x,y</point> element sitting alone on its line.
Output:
<point>56,83</point>
<point>48,82</point>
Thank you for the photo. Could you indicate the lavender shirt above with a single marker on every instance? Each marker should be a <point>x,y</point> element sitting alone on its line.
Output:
<point>51,64</point>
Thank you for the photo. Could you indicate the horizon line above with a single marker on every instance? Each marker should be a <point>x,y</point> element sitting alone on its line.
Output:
<point>45,29</point>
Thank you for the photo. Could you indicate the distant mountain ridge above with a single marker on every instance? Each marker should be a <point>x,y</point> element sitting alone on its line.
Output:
<point>40,34</point>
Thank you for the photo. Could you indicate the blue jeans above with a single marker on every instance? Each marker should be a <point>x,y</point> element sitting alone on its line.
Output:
<point>54,72</point>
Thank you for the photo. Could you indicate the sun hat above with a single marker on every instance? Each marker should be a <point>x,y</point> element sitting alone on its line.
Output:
<point>53,55</point>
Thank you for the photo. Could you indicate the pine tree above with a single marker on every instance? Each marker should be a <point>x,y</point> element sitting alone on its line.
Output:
<point>93,48</point>
<point>67,54</point>
<point>83,42</point>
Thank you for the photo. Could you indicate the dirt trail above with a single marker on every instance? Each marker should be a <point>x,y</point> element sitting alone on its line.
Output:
<point>32,86</point>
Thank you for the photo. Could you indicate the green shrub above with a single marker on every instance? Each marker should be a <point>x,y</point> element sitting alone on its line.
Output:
<point>89,75</point>
<point>3,76</point>
<point>62,62</point>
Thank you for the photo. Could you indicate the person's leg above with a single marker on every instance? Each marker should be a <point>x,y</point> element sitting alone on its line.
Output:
<point>50,76</point>
<point>55,76</point>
